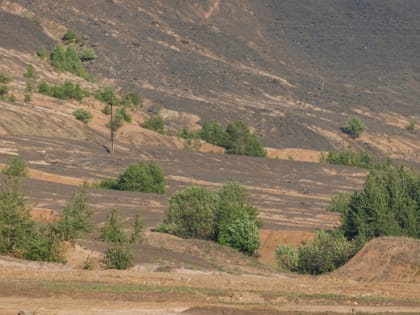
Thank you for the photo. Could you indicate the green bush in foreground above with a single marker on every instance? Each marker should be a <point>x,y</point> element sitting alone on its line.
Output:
<point>118,257</point>
<point>16,166</point>
<point>225,216</point>
<point>113,230</point>
<point>286,257</point>
<point>82,115</point>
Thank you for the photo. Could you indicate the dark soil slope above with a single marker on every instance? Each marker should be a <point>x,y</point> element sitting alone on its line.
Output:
<point>292,69</point>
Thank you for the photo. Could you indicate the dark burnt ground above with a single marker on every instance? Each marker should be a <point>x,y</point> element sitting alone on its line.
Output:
<point>289,194</point>
<point>258,61</point>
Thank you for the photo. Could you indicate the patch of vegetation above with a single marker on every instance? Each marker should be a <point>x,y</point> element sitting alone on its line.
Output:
<point>350,158</point>
<point>118,257</point>
<point>325,253</point>
<point>68,60</point>
<point>3,90</point>
<point>87,55</point>
<point>236,138</point>
<point>30,72</point>
<point>76,219</point>
<point>225,216</point>
<point>66,91</point>
<point>388,205</point>
<point>12,98</point>
<point>82,115</point>
<point>141,176</point>
<point>16,166</point>
<point>43,53</point>
<point>27,98</point>
<point>354,127</point>
<point>411,125</point>
<point>113,230</point>
<point>19,236</point>
<point>4,79</point>
<point>71,37</point>
<point>286,257</point>
<point>155,123</point>
<point>122,114</point>
<point>340,202</point>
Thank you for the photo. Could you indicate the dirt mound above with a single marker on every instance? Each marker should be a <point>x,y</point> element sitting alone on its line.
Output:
<point>385,259</point>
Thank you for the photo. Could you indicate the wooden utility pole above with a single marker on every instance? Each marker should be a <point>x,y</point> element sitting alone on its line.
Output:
<point>111,125</point>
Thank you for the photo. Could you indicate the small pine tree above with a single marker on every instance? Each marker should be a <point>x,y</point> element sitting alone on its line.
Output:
<point>76,217</point>
<point>113,230</point>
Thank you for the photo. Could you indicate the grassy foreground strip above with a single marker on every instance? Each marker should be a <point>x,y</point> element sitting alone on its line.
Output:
<point>148,293</point>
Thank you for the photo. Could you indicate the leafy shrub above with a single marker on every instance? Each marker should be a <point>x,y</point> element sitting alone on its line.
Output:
<point>42,53</point>
<point>411,125</point>
<point>71,36</point>
<point>241,141</point>
<point>4,79</point>
<point>137,235</point>
<point>15,221</point>
<point>87,54</point>
<point>140,177</point>
<point>67,90</point>
<point>351,158</point>
<point>340,203</point>
<point>325,253</point>
<point>388,205</point>
<point>82,115</point>
<point>76,219</point>
<point>16,166</point>
<point>118,257</point>
<point>68,60</point>
<point>155,123</point>
<point>225,216</point>
<point>131,98</point>
<point>12,98</point>
<point>3,90</point>
<point>286,257</point>
<point>113,230</point>
<point>213,133</point>
<point>27,98</point>
<point>107,96</point>
<point>115,124</point>
<point>191,213</point>
<point>122,114</point>
<point>30,72</point>
<point>354,127</point>
<point>241,235</point>
<point>44,245</point>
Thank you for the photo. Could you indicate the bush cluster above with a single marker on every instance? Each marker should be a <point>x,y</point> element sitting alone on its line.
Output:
<point>350,158</point>
<point>67,90</point>
<point>325,253</point>
<point>236,138</point>
<point>16,166</point>
<point>155,123</point>
<point>68,60</point>
<point>4,79</point>
<point>389,204</point>
<point>71,37</point>
<point>21,237</point>
<point>82,115</point>
<point>119,255</point>
<point>141,177</point>
<point>354,127</point>
<point>225,216</point>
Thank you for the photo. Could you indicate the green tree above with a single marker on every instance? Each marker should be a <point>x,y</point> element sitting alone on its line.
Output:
<point>16,225</point>
<point>240,141</point>
<point>191,213</point>
<point>118,257</point>
<point>76,219</point>
<point>113,230</point>
<point>82,115</point>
